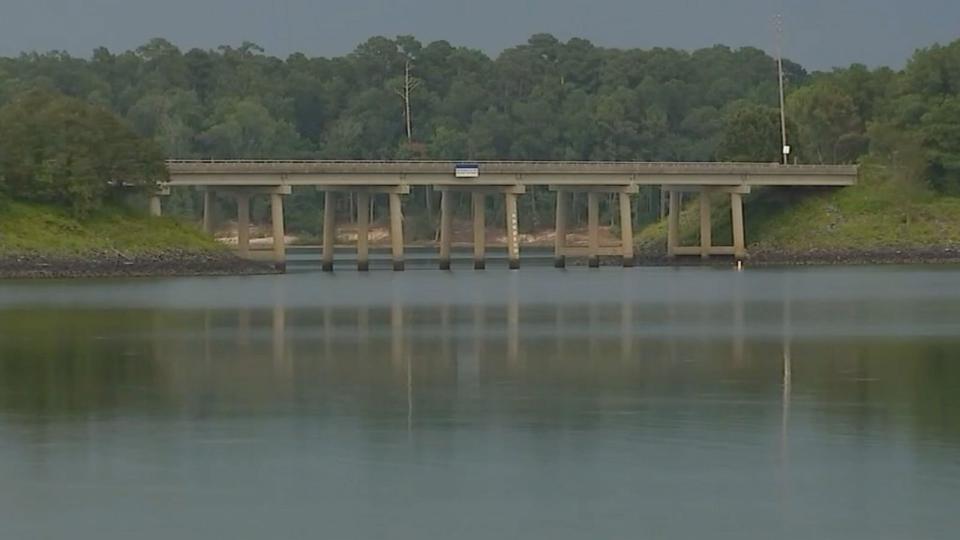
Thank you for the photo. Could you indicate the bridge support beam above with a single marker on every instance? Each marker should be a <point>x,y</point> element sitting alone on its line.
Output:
<point>626,230</point>
<point>478,201</point>
<point>706,249</point>
<point>329,229</point>
<point>706,227</point>
<point>243,224</point>
<point>154,206</point>
<point>594,250</point>
<point>209,211</point>
<point>156,210</point>
<point>513,230</point>
<point>279,237</point>
<point>560,242</point>
<point>396,231</point>
<point>478,197</point>
<point>593,229</point>
<point>673,223</point>
<point>363,231</point>
<point>446,226</point>
<point>736,220</point>
<point>364,198</point>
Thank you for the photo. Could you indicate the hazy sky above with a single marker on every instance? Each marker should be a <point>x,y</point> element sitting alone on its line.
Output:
<point>819,33</point>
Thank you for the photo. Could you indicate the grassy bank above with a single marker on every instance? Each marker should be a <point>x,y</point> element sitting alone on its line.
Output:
<point>42,241</point>
<point>27,228</point>
<point>881,214</point>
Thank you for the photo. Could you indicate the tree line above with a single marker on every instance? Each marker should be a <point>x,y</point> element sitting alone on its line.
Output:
<point>545,99</point>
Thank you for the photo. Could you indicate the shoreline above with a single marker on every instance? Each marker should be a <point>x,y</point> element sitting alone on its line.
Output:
<point>191,264</point>
<point>172,263</point>
<point>767,257</point>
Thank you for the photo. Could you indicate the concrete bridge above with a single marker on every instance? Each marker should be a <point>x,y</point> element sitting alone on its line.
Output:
<point>243,179</point>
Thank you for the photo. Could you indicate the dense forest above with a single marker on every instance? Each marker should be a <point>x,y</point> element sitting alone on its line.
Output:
<point>545,99</point>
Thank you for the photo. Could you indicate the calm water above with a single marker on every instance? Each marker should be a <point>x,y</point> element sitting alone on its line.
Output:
<point>646,403</point>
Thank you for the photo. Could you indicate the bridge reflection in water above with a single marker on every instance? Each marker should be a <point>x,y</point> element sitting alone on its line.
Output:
<point>529,396</point>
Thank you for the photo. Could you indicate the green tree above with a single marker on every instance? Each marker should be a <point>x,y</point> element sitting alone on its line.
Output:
<point>60,150</point>
<point>751,133</point>
<point>829,128</point>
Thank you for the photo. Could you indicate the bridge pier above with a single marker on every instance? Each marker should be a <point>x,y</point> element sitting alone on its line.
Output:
<point>706,249</point>
<point>513,230</point>
<point>736,216</point>
<point>560,241</point>
<point>242,195</point>
<point>626,229</point>
<point>155,209</point>
<point>478,196</point>
<point>243,224</point>
<point>594,250</point>
<point>446,226</point>
<point>329,229</point>
<point>209,210</point>
<point>673,222</point>
<point>153,202</point>
<point>396,229</point>
<point>279,237</point>
<point>364,199</point>
<point>706,225</point>
<point>363,231</point>
<point>479,230</point>
<point>593,229</point>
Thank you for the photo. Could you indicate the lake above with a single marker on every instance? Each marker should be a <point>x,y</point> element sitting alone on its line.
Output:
<point>548,404</point>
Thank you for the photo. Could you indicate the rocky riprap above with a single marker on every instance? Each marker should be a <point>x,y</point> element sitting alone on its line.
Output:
<point>117,264</point>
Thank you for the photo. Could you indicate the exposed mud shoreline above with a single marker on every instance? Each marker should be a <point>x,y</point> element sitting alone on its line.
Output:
<point>116,264</point>
<point>811,257</point>
<point>179,263</point>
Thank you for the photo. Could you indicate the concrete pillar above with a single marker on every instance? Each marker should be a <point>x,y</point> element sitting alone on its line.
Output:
<point>243,224</point>
<point>593,228</point>
<point>559,258</point>
<point>208,211</point>
<point>626,229</point>
<point>363,231</point>
<point>479,231</point>
<point>706,229</point>
<point>279,242</point>
<point>513,232</point>
<point>673,224</point>
<point>329,229</point>
<point>156,210</point>
<point>446,232</point>
<point>396,231</point>
<point>736,215</point>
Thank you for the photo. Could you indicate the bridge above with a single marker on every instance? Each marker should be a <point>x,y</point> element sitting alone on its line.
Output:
<point>243,179</point>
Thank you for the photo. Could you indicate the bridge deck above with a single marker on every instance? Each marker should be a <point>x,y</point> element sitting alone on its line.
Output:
<point>499,173</point>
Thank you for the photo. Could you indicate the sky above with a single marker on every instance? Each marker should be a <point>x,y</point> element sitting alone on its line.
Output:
<point>819,34</point>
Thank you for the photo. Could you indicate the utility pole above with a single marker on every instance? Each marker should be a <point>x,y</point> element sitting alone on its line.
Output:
<point>409,85</point>
<point>783,115</point>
